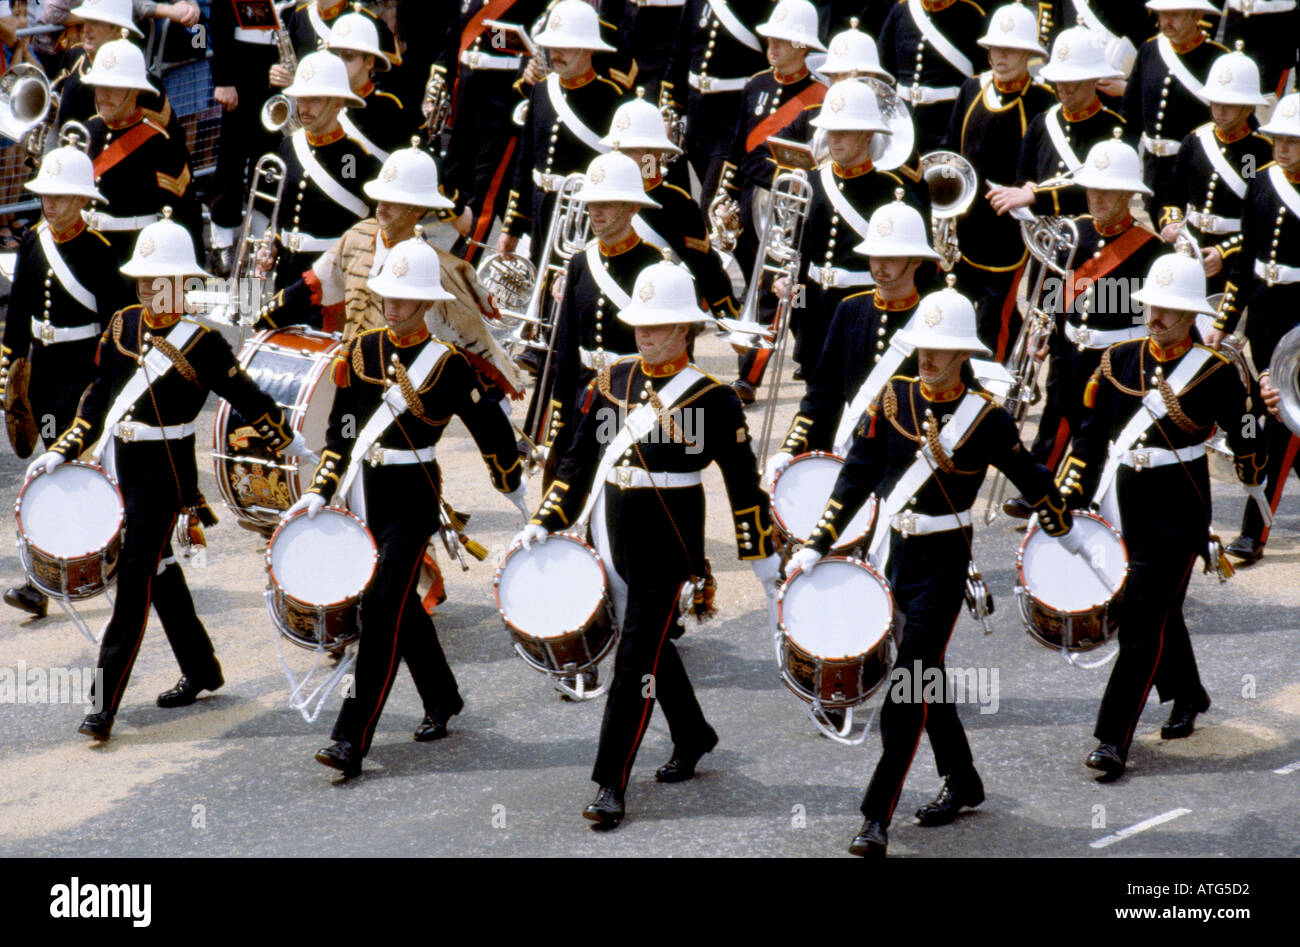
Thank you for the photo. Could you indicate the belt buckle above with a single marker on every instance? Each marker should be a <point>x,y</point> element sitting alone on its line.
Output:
<point>706,84</point>
<point>294,242</point>
<point>376,456</point>
<point>906,523</point>
<point>1083,337</point>
<point>623,477</point>
<point>1247,7</point>
<point>915,94</point>
<point>126,431</point>
<point>473,61</point>
<point>1141,459</point>
<point>1271,273</point>
<point>827,277</point>
<point>47,332</point>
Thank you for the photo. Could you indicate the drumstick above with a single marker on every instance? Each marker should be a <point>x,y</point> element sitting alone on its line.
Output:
<point>1074,544</point>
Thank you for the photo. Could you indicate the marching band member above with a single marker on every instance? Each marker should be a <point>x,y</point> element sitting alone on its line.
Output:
<point>1209,181</point>
<point>56,334</point>
<point>905,453</point>
<point>647,517</point>
<point>325,167</point>
<point>1057,137</point>
<point>384,123</point>
<point>852,53</point>
<point>1140,452</point>
<point>714,54</point>
<point>381,469</point>
<point>932,47</point>
<point>308,25</point>
<point>597,285</point>
<point>1162,98</point>
<point>849,373</point>
<point>677,224</point>
<point>988,125</point>
<point>1264,278</point>
<point>139,165</point>
<point>1269,30</point>
<point>156,368</point>
<point>650,29</point>
<point>1121,25</point>
<point>1095,307</point>
<point>564,112</point>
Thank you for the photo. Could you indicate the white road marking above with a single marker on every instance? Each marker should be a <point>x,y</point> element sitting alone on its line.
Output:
<point>1288,769</point>
<point>1140,827</point>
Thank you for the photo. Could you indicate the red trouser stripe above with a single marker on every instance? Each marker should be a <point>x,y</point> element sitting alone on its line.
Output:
<point>1128,736</point>
<point>649,701</point>
<point>486,212</point>
<point>755,375</point>
<point>393,658</point>
<point>1008,307</point>
<point>1275,489</point>
<point>1058,444</point>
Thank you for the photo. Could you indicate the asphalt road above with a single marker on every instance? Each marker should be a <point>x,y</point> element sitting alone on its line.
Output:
<point>234,775</point>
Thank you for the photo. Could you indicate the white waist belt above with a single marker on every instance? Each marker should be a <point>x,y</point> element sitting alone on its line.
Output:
<point>48,334</point>
<point>1087,338</point>
<point>708,84</point>
<point>1144,457</point>
<point>597,359</point>
<point>1277,273</point>
<point>1251,7</point>
<point>625,477</point>
<point>665,3</point>
<point>260,37</point>
<point>305,243</point>
<point>548,182</point>
<point>385,457</point>
<point>128,431</point>
<point>98,220</point>
<point>1213,223</point>
<point>919,524</point>
<point>920,95</point>
<point>488,60</point>
<point>1160,147</point>
<point>831,277</point>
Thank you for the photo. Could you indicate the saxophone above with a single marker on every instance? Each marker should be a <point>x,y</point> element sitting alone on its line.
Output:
<point>278,113</point>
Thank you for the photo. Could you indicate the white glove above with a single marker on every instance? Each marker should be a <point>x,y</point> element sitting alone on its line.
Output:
<point>313,503</point>
<point>49,460</point>
<point>768,572</point>
<point>775,464</point>
<point>516,496</point>
<point>805,559</point>
<point>298,448</point>
<point>530,533</point>
<point>1073,543</point>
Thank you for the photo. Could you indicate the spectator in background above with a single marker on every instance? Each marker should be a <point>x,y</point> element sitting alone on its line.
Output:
<point>48,47</point>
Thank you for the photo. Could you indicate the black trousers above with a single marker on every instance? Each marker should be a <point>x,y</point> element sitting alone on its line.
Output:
<point>1067,376</point>
<point>402,515</point>
<point>151,512</point>
<point>997,317</point>
<point>243,139</point>
<point>1283,457</point>
<point>927,574</point>
<point>481,150</point>
<point>710,124</point>
<point>60,375</point>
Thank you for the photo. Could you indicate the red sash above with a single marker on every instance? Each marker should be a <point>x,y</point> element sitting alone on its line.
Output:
<point>111,156</point>
<point>783,116</point>
<point>474,28</point>
<point>1112,255</point>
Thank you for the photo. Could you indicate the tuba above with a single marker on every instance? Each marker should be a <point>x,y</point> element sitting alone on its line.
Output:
<point>25,98</point>
<point>952,182</point>
<point>1284,374</point>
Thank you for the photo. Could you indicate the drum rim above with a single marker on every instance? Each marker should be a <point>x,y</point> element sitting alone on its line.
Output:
<point>570,632</point>
<point>374,561</point>
<point>854,560</point>
<point>89,553</point>
<point>871,503</point>
<point>1064,613</point>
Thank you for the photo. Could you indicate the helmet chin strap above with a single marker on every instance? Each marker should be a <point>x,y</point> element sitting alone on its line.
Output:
<point>653,358</point>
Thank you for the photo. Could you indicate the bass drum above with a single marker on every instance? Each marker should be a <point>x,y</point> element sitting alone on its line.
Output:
<point>292,365</point>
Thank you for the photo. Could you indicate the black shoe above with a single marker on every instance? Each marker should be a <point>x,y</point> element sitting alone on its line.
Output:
<point>187,689</point>
<point>1109,760</point>
<point>590,678</point>
<point>682,765</point>
<point>871,841</point>
<point>1246,548</point>
<point>744,391</point>
<point>606,809</point>
<point>341,756</point>
<point>1183,716</point>
<point>1017,508</point>
<point>98,726</point>
<point>799,373</point>
<point>28,598</point>
<point>432,727</point>
<point>968,792</point>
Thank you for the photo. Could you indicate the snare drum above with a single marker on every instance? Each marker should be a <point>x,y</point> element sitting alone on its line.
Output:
<point>836,626</point>
<point>318,568</point>
<point>1063,601</point>
<point>70,530</point>
<point>292,365</point>
<point>554,603</point>
<point>799,495</point>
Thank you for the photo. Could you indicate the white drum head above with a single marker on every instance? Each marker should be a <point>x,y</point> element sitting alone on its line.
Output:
<point>551,588</point>
<point>801,492</point>
<point>322,561</point>
<point>1058,578</point>
<point>839,610</point>
<point>72,512</point>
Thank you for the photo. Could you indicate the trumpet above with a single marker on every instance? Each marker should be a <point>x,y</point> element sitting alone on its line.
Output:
<point>724,216</point>
<point>436,106</point>
<point>278,113</point>
<point>952,182</point>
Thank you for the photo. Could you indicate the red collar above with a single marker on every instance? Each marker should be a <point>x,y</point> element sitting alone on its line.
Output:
<point>365,90</point>
<point>783,79</point>
<point>333,10</point>
<point>948,394</point>
<point>1014,86</point>
<point>1235,134</point>
<point>854,171</point>
<point>1292,176</point>
<point>619,246</point>
<point>1114,231</point>
<point>651,183</point>
<point>164,321</point>
<point>412,338</point>
<point>934,6</point>
<point>63,236</point>
<point>666,369</point>
<point>898,305</point>
<point>1171,353</point>
<point>326,139</point>
<point>1088,111</point>
<point>1191,44</point>
<point>380,235</point>
<point>132,119</point>
<point>582,80</point>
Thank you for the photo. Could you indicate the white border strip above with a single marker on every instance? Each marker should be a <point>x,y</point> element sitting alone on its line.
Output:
<point>1142,826</point>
